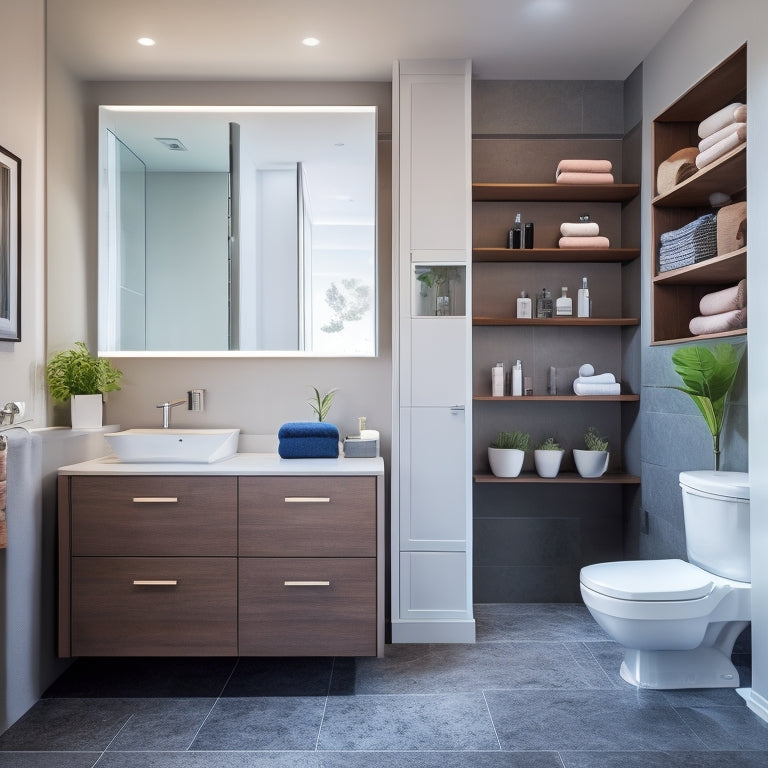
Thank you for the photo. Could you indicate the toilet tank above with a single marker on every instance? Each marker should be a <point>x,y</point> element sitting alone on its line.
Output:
<point>716,510</point>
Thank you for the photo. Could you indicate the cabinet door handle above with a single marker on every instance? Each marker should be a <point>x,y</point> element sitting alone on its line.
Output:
<point>307,584</point>
<point>155,499</point>
<point>457,407</point>
<point>307,500</point>
<point>155,582</point>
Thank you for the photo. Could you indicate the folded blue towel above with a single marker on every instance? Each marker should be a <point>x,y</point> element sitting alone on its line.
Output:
<point>308,440</point>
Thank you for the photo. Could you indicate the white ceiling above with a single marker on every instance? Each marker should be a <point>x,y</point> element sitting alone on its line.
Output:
<point>359,39</point>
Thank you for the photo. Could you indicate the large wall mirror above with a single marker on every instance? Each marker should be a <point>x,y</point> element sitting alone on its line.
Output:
<point>247,230</point>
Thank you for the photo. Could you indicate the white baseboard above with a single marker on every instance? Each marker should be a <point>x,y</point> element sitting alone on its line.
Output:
<point>434,631</point>
<point>758,704</point>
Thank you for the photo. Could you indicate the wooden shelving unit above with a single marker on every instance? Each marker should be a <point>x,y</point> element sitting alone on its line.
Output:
<point>555,255</point>
<point>560,321</point>
<point>582,399</point>
<point>553,193</point>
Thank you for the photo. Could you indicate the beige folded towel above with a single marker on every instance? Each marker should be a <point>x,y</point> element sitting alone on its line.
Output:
<point>676,168</point>
<point>579,229</point>
<point>731,227</point>
<point>725,321</point>
<point>574,177</point>
<point>584,166</point>
<point>584,242</point>
<point>726,300</point>
<point>723,133</point>
<point>733,113</point>
<point>722,147</point>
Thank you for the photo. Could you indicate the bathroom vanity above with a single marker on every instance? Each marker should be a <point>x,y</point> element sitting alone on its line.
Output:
<point>252,556</point>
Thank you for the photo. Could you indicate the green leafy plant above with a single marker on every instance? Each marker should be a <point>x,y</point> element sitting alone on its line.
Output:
<point>517,440</point>
<point>76,372</point>
<point>594,441</point>
<point>549,445</point>
<point>321,404</point>
<point>708,374</point>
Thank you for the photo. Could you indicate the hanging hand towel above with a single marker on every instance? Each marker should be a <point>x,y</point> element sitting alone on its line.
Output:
<point>724,301</point>
<point>584,166</point>
<point>308,440</point>
<point>574,177</point>
<point>725,321</point>
<point>584,242</point>
<point>579,229</point>
<point>733,113</point>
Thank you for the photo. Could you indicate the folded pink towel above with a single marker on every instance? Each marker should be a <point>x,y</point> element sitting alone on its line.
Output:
<point>723,133</point>
<point>724,301</point>
<point>733,140</point>
<point>733,113</point>
<point>579,229</point>
<point>576,177</point>
<point>725,321</point>
<point>584,242</point>
<point>584,166</point>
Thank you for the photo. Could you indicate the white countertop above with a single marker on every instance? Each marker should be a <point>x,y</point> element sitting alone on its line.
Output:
<point>239,464</point>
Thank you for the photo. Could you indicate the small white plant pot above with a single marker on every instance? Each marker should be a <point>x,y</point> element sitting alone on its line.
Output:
<point>86,411</point>
<point>547,462</point>
<point>591,463</point>
<point>506,462</point>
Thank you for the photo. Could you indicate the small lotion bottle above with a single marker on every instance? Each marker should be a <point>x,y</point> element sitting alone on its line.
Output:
<point>584,303</point>
<point>516,233</point>
<point>564,305</point>
<point>524,305</point>
<point>497,380</point>
<point>517,379</point>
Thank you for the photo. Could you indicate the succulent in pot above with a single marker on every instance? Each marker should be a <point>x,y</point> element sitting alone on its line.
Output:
<point>592,461</point>
<point>547,457</point>
<point>507,453</point>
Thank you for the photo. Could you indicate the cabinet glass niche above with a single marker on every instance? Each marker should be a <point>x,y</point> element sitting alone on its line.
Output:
<point>439,290</point>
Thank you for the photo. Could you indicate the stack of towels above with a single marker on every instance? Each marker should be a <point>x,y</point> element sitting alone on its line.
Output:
<point>721,132</point>
<point>590,384</point>
<point>584,172</point>
<point>308,440</point>
<point>582,234</point>
<point>690,244</point>
<point>724,310</point>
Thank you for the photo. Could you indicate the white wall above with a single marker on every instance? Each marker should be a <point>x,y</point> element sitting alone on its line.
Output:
<point>708,32</point>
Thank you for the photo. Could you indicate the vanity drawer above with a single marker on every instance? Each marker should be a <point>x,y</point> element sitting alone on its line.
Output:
<point>315,516</point>
<point>184,607</point>
<point>307,606</point>
<point>147,516</point>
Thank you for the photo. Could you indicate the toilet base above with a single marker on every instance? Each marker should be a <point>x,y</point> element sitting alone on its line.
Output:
<point>703,667</point>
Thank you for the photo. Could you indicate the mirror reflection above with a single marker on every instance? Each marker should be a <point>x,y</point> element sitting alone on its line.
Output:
<point>249,229</point>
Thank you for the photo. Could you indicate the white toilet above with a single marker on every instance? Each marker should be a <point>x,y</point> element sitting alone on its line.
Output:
<point>679,620</point>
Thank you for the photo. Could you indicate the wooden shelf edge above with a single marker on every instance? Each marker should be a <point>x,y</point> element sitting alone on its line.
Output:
<point>559,321</point>
<point>564,478</point>
<point>553,192</point>
<point>704,336</point>
<point>482,255</point>
<point>709,270</point>
<point>560,398</point>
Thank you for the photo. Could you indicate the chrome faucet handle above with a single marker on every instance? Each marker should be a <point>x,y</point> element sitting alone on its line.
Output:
<point>167,410</point>
<point>11,410</point>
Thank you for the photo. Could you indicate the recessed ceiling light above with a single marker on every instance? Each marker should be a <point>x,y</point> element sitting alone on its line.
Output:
<point>148,41</point>
<point>311,42</point>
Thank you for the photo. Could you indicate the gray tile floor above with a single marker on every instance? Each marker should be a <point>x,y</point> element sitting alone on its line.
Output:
<point>540,689</point>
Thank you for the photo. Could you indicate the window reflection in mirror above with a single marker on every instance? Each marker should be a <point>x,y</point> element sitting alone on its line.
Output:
<point>242,229</point>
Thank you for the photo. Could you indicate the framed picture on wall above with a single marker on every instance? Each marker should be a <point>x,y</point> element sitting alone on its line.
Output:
<point>10,246</point>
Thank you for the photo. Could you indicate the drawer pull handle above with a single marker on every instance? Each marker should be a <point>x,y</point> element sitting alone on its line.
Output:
<point>155,499</point>
<point>307,500</point>
<point>155,582</point>
<point>307,583</point>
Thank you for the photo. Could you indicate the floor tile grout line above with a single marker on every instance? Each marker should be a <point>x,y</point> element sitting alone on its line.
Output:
<point>490,717</point>
<point>325,703</point>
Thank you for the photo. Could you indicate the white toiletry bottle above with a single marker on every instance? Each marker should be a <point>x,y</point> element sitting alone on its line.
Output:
<point>524,305</point>
<point>497,380</point>
<point>583,301</point>
<point>517,379</point>
<point>564,305</point>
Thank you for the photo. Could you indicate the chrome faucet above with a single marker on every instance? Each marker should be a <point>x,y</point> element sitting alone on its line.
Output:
<point>167,410</point>
<point>11,410</point>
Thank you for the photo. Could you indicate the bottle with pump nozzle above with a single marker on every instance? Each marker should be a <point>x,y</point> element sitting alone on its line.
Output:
<point>564,305</point>
<point>517,379</point>
<point>584,302</point>
<point>516,233</point>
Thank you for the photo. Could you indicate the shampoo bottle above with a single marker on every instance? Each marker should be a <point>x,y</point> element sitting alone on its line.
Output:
<point>497,380</point>
<point>517,379</point>
<point>524,305</point>
<point>583,300</point>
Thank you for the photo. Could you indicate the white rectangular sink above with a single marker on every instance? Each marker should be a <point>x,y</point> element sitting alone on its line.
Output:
<point>173,445</point>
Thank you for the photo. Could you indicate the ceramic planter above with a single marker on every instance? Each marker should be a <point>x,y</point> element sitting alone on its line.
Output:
<point>591,463</point>
<point>547,462</point>
<point>506,462</point>
<point>86,411</point>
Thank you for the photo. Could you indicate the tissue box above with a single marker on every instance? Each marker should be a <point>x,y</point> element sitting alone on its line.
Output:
<point>308,440</point>
<point>359,448</point>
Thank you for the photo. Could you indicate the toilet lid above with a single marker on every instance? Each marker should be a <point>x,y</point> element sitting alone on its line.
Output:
<point>648,580</point>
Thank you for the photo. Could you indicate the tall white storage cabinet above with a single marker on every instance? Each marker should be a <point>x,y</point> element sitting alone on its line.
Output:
<point>431,446</point>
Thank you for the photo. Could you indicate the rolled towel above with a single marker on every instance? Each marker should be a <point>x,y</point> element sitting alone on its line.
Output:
<point>580,229</point>
<point>584,242</point>
<point>576,177</point>
<point>733,113</point>
<point>596,389</point>
<point>600,378</point>
<point>723,133</point>
<point>586,370</point>
<point>731,228</point>
<point>725,321</point>
<point>724,301</point>
<point>308,440</point>
<point>675,169</point>
<point>716,151</point>
<point>584,166</point>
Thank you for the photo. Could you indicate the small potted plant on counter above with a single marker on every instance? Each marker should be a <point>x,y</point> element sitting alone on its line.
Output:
<point>507,452</point>
<point>593,461</point>
<point>77,376</point>
<point>547,458</point>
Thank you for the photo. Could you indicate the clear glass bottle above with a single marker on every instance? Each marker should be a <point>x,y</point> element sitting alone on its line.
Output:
<point>544,304</point>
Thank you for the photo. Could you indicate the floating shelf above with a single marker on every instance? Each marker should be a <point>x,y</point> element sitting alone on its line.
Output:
<point>553,193</point>
<point>704,336</point>
<point>564,478</point>
<point>575,321</point>
<point>561,398</point>
<point>562,255</point>
<point>715,271</point>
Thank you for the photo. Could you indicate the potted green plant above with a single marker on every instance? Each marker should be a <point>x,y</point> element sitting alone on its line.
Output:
<point>547,458</point>
<point>321,404</point>
<point>592,461</point>
<point>708,374</point>
<point>507,452</point>
<point>76,375</point>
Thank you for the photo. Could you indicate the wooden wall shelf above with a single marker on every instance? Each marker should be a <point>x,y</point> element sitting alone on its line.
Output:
<point>555,255</point>
<point>553,193</point>
<point>561,398</point>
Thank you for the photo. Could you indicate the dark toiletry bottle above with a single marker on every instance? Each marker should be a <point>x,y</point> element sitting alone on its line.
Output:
<point>516,233</point>
<point>528,235</point>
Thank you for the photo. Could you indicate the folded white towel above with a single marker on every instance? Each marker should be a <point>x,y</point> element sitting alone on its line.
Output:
<point>579,229</point>
<point>723,146</point>
<point>733,113</point>
<point>596,389</point>
<point>600,378</point>
<point>723,133</point>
